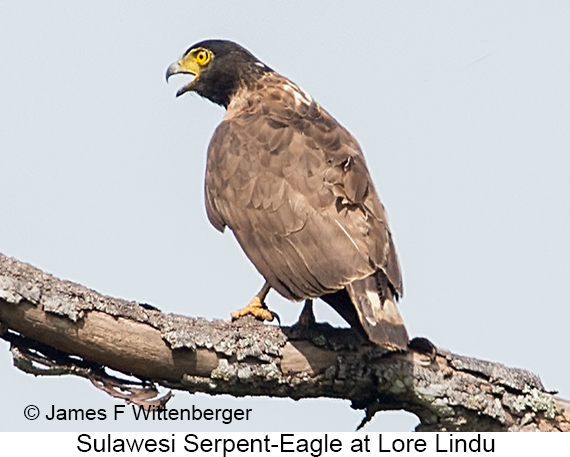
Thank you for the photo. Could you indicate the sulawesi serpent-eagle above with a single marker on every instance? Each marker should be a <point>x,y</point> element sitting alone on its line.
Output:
<point>293,186</point>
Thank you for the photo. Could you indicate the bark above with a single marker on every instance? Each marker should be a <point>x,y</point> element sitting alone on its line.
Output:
<point>58,327</point>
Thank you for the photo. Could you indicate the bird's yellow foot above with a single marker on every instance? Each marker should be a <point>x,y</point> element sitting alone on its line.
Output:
<point>256,308</point>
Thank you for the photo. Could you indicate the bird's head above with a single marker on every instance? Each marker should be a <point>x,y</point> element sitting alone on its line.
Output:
<point>219,67</point>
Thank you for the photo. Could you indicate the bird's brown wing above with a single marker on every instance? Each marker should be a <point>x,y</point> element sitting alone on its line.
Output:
<point>293,186</point>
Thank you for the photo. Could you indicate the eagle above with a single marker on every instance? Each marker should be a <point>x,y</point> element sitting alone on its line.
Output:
<point>293,186</point>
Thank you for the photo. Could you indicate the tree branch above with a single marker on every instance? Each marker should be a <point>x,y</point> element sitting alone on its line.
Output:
<point>58,327</point>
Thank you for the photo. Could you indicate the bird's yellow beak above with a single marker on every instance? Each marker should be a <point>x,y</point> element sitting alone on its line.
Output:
<point>186,65</point>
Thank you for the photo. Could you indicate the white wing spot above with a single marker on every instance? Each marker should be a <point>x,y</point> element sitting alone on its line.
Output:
<point>301,97</point>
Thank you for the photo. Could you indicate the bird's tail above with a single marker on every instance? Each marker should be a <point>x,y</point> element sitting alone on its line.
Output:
<point>377,311</point>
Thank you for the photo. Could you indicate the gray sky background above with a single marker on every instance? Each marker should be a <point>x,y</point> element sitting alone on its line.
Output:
<point>462,110</point>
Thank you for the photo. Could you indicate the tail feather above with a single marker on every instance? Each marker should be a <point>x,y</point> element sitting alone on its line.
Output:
<point>376,307</point>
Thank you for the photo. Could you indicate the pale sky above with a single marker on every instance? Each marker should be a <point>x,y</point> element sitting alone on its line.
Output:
<point>461,108</point>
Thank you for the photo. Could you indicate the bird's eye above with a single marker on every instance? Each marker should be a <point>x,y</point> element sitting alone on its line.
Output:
<point>202,57</point>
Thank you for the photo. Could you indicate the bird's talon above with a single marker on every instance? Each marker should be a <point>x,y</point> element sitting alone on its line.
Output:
<point>276,316</point>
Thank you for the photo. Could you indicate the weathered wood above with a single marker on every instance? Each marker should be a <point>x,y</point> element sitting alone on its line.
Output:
<point>446,391</point>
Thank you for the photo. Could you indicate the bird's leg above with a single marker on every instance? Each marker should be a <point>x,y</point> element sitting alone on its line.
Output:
<point>307,317</point>
<point>256,307</point>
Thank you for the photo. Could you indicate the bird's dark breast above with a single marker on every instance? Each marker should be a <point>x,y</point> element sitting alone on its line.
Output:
<point>276,175</point>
